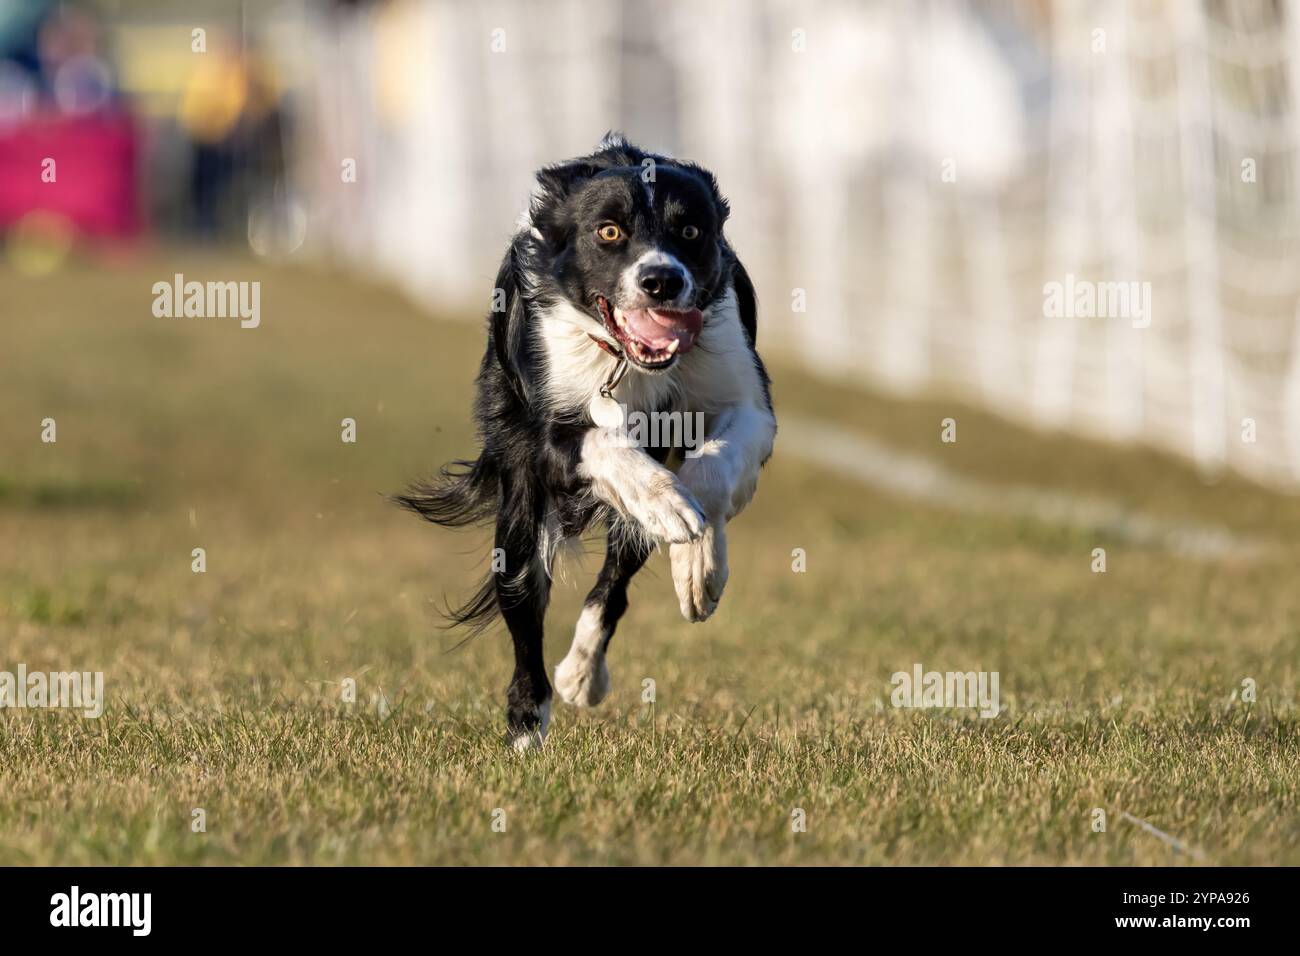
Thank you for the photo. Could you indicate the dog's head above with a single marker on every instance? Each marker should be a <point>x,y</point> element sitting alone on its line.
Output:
<point>634,242</point>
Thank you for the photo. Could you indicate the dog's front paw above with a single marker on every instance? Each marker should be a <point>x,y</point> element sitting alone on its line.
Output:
<point>526,726</point>
<point>700,572</point>
<point>668,511</point>
<point>582,678</point>
<point>528,711</point>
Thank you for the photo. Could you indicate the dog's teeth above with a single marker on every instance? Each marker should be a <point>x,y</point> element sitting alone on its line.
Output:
<point>672,346</point>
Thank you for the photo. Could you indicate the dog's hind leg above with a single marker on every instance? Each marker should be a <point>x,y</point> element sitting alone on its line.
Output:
<point>582,678</point>
<point>522,597</point>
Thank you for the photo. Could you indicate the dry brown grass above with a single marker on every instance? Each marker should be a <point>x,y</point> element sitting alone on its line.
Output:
<point>224,687</point>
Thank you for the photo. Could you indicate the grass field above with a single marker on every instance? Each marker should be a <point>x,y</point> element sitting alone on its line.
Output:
<point>224,688</point>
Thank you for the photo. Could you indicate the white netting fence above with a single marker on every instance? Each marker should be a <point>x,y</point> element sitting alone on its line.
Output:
<point>917,175</point>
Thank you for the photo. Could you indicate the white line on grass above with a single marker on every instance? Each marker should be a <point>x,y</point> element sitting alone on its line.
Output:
<point>1159,834</point>
<point>920,479</point>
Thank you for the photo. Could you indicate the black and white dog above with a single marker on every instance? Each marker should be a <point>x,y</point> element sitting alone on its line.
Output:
<point>618,295</point>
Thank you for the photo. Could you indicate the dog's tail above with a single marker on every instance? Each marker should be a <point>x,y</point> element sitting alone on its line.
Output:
<point>464,493</point>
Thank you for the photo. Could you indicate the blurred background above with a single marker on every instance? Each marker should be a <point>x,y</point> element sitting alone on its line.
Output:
<point>906,176</point>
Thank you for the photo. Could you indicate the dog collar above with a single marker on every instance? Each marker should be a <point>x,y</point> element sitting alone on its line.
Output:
<point>606,346</point>
<point>603,408</point>
<point>616,376</point>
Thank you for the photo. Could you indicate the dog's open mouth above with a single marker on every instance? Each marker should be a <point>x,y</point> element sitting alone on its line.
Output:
<point>652,338</point>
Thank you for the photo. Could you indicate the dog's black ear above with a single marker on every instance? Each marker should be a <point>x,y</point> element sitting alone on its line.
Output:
<point>507,323</point>
<point>557,181</point>
<point>709,182</point>
<point>747,300</point>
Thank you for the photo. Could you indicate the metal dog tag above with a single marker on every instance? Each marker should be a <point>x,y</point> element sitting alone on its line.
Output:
<point>606,412</point>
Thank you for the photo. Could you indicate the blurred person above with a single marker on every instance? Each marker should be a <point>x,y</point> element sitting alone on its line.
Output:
<point>231,113</point>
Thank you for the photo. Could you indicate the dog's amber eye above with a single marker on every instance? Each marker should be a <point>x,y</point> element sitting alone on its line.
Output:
<point>690,232</point>
<point>610,232</point>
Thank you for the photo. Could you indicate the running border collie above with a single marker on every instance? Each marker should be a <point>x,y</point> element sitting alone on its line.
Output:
<point>619,294</point>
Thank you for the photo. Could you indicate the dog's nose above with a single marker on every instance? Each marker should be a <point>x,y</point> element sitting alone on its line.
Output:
<point>661,283</point>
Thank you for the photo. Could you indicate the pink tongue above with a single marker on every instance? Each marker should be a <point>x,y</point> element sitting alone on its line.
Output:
<point>658,328</point>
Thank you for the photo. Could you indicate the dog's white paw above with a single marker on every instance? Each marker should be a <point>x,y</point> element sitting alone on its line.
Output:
<point>667,510</point>
<point>528,740</point>
<point>582,678</point>
<point>700,573</point>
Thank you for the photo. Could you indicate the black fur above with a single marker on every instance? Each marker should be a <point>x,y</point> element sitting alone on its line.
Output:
<point>528,465</point>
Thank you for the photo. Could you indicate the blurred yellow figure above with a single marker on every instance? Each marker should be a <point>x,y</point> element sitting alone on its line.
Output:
<point>215,97</point>
<point>229,112</point>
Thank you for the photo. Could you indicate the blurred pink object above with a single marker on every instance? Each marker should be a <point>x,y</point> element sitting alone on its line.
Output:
<point>92,180</point>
